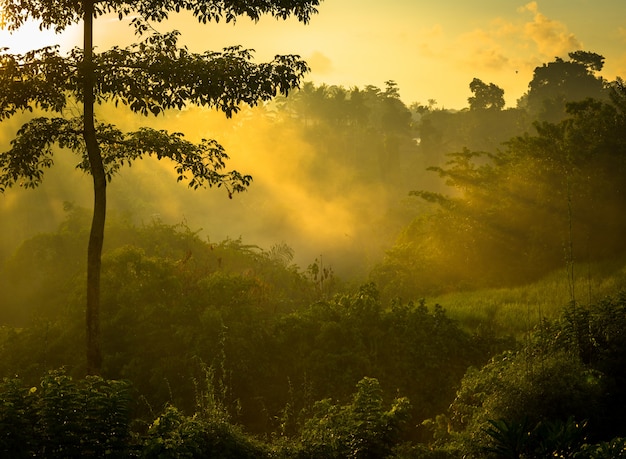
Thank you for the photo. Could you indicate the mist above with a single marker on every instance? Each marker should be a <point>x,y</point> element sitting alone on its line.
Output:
<point>333,213</point>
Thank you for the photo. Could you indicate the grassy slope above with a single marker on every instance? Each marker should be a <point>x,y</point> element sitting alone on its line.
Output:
<point>516,310</point>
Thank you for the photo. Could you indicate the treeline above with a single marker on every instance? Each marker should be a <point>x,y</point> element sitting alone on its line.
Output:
<point>547,197</point>
<point>503,195</point>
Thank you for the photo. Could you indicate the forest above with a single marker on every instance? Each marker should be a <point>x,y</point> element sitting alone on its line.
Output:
<point>399,280</point>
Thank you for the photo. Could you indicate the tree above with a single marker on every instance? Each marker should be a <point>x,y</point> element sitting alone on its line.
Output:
<point>592,61</point>
<point>149,77</point>
<point>525,201</point>
<point>486,96</point>
<point>556,83</point>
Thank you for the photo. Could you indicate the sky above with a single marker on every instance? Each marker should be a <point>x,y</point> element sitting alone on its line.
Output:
<point>432,50</point>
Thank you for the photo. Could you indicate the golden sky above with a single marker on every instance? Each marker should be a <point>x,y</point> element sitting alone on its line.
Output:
<point>431,49</point>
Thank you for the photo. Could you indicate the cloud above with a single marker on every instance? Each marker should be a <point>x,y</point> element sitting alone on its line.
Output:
<point>500,28</point>
<point>552,38</point>
<point>483,47</point>
<point>532,7</point>
<point>436,31</point>
<point>320,63</point>
<point>425,50</point>
<point>491,58</point>
<point>428,37</point>
<point>504,45</point>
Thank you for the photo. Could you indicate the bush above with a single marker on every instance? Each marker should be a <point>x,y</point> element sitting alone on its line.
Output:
<point>520,389</point>
<point>63,418</point>
<point>174,435</point>
<point>362,429</point>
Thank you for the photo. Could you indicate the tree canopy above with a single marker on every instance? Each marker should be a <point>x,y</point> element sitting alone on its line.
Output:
<point>561,81</point>
<point>486,96</point>
<point>61,14</point>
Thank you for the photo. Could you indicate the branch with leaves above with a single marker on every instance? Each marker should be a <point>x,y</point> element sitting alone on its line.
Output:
<point>32,152</point>
<point>62,13</point>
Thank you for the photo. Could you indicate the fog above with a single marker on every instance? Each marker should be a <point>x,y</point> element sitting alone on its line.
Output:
<point>332,213</point>
<point>333,169</point>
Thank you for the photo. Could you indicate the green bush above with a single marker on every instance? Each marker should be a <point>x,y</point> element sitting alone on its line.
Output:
<point>62,418</point>
<point>520,439</point>
<point>18,421</point>
<point>518,388</point>
<point>174,435</point>
<point>614,449</point>
<point>363,429</point>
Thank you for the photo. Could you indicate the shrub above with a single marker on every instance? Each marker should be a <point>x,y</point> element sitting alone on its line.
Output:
<point>63,418</point>
<point>174,435</point>
<point>362,429</point>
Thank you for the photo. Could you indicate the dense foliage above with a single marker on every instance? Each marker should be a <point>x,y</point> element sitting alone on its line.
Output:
<point>563,388</point>
<point>65,418</point>
<point>513,214</point>
<point>273,336</point>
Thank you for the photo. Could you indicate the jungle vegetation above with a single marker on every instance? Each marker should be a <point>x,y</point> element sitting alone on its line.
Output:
<point>488,321</point>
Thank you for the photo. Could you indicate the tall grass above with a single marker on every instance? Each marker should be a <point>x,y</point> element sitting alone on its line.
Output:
<point>516,310</point>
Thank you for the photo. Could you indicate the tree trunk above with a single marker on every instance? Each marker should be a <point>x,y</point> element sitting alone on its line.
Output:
<point>96,236</point>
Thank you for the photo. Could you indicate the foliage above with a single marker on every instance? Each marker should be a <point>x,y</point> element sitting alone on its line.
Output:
<point>446,131</point>
<point>521,386</point>
<point>512,216</point>
<point>595,332</point>
<point>174,435</point>
<point>264,368</point>
<point>561,389</point>
<point>514,440</point>
<point>365,132</point>
<point>486,96</point>
<point>244,339</point>
<point>331,345</point>
<point>614,449</point>
<point>362,429</point>
<point>149,77</point>
<point>556,83</point>
<point>17,422</point>
<point>64,418</point>
<point>275,342</point>
<point>40,279</point>
<point>61,15</point>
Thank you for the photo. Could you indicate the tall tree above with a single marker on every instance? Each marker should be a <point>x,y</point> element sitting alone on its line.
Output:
<point>149,77</point>
<point>556,83</point>
<point>486,96</point>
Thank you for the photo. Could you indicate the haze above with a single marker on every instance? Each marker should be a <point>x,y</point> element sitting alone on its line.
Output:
<point>429,261</point>
<point>432,51</point>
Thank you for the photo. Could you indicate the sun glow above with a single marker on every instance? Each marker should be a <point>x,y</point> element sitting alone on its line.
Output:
<point>28,37</point>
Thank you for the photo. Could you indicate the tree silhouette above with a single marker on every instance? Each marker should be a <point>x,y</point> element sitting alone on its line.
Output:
<point>486,96</point>
<point>149,77</point>
<point>556,83</point>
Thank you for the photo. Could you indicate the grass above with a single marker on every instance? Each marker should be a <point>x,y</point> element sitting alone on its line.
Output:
<point>516,310</point>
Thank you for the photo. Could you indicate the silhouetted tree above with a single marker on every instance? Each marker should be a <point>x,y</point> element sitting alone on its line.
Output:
<point>592,61</point>
<point>556,83</point>
<point>486,96</point>
<point>149,77</point>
